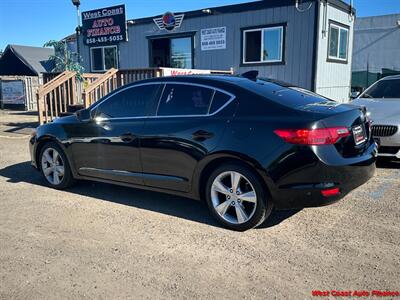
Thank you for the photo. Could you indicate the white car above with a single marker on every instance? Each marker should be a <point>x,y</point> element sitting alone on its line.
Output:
<point>382,100</point>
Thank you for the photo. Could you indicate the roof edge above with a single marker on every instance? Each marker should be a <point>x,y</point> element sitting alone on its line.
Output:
<point>241,7</point>
<point>21,58</point>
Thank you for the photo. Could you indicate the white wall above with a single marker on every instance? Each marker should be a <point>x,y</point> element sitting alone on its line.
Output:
<point>333,80</point>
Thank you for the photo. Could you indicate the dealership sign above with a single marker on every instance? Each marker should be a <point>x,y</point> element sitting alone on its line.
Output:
<point>104,25</point>
<point>12,92</point>
<point>178,72</point>
<point>213,38</point>
<point>169,21</point>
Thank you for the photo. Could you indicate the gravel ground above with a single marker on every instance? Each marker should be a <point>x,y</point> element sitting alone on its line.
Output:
<point>102,241</point>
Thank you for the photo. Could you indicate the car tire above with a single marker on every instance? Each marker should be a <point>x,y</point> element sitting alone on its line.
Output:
<point>237,198</point>
<point>54,166</point>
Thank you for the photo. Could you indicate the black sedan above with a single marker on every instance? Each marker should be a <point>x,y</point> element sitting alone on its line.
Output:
<point>242,145</point>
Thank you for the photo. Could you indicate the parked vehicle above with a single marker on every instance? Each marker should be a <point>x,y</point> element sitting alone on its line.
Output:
<point>244,146</point>
<point>382,99</point>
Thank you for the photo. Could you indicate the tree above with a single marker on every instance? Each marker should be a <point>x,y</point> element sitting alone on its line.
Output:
<point>64,59</point>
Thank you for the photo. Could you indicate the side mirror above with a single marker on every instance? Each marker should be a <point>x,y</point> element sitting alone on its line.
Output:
<point>92,114</point>
<point>354,95</point>
<point>84,114</point>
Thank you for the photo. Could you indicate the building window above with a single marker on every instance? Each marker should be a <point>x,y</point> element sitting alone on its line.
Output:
<point>263,45</point>
<point>338,42</point>
<point>103,58</point>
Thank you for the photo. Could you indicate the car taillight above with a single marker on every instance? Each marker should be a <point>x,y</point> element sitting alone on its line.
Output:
<point>318,136</point>
<point>330,192</point>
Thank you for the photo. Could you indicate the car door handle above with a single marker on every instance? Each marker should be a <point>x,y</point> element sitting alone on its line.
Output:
<point>127,137</point>
<point>202,135</point>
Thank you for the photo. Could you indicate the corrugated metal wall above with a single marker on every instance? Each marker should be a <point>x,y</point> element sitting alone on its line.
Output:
<point>299,42</point>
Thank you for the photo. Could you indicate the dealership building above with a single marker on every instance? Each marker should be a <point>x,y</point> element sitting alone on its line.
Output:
<point>307,43</point>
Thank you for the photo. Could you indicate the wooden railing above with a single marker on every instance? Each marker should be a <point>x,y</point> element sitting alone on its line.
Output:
<point>64,91</point>
<point>132,75</point>
<point>103,85</point>
<point>54,97</point>
<point>114,79</point>
<point>87,77</point>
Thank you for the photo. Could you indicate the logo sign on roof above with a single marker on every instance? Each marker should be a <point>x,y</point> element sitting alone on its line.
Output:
<point>169,21</point>
<point>104,25</point>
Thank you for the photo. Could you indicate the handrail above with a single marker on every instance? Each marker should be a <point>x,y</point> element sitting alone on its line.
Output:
<point>103,78</point>
<point>91,75</point>
<point>54,98</point>
<point>100,87</point>
<point>55,82</point>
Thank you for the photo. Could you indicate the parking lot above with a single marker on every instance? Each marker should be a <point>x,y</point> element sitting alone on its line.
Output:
<point>102,241</point>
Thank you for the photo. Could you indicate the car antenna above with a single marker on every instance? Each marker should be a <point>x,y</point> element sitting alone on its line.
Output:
<point>252,75</point>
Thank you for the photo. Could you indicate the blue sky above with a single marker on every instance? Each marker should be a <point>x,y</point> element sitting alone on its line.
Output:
<point>33,22</point>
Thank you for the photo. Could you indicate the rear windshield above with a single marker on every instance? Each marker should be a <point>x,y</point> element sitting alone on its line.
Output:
<point>288,95</point>
<point>383,89</point>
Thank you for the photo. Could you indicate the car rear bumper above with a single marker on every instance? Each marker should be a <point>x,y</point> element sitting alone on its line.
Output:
<point>303,187</point>
<point>310,195</point>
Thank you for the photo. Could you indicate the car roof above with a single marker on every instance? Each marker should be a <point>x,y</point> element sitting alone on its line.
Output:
<point>391,77</point>
<point>221,81</point>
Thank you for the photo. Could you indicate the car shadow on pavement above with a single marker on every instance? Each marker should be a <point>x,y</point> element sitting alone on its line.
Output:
<point>176,206</point>
<point>388,164</point>
<point>20,126</point>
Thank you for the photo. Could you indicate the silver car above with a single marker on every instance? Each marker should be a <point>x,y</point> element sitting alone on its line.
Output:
<point>382,100</point>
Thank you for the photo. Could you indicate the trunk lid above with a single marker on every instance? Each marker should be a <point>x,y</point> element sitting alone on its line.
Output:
<point>331,114</point>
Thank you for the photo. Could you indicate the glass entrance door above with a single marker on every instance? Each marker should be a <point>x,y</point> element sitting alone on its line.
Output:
<point>172,52</point>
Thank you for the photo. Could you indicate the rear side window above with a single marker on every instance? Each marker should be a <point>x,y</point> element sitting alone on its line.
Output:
<point>182,99</point>
<point>219,100</point>
<point>384,89</point>
<point>132,102</point>
<point>292,97</point>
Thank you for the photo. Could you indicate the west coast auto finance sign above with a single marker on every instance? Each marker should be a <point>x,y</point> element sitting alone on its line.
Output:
<point>104,25</point>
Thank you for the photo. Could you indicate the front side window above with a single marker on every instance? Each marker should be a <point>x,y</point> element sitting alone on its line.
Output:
<point>131,102</point>
<point>338,42</point>
<point>182,99</point>
<point>103,58</point>
<point>389,88</point>
<point>263,45</point>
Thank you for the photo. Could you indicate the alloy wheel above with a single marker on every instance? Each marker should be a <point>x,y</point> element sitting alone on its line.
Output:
<point>53,166</point>
<point>233,197</point>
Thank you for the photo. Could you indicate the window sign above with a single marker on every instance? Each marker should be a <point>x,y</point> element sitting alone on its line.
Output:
<point>213,38</point>
<point>104,26</point>
<point>12,92</point>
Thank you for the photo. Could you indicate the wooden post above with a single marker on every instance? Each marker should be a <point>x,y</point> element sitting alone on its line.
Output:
<point>39,108</point>
<point>64,88</point>
<point>73,90</point>
<point>85,99</point>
